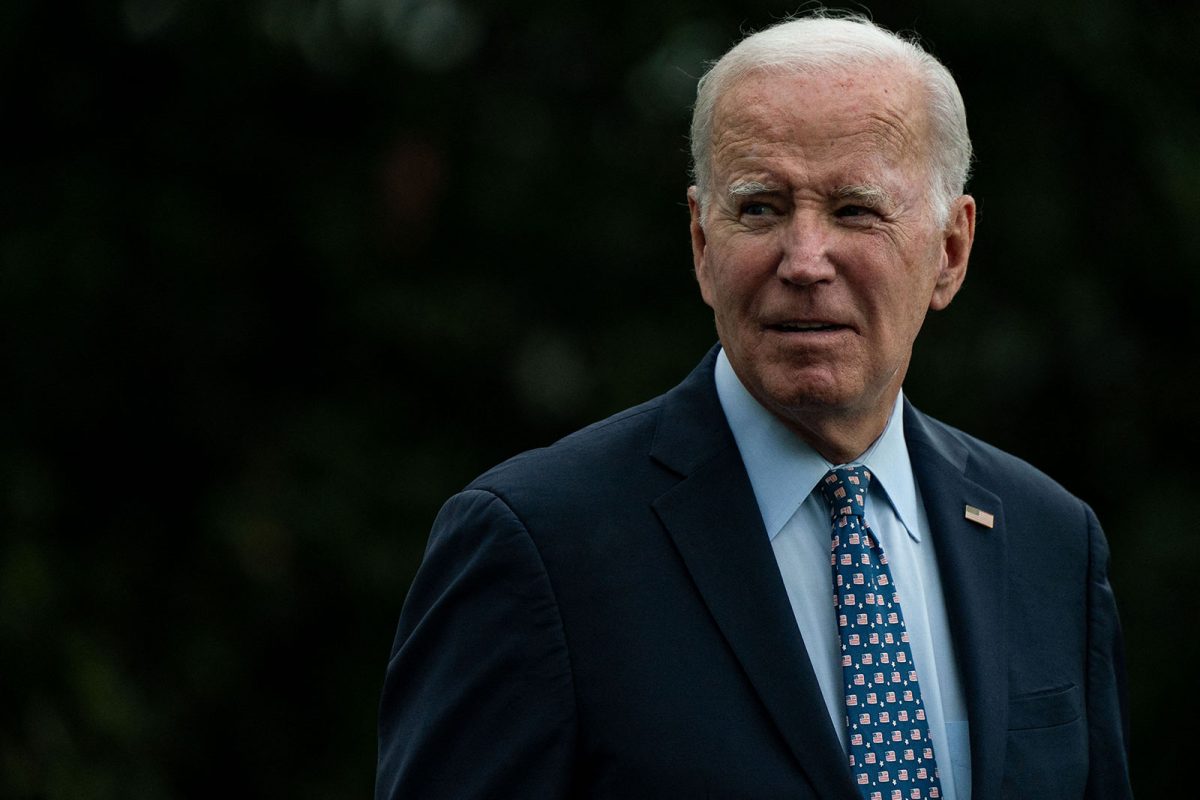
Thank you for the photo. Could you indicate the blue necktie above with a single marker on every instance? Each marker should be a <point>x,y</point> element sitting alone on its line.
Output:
<point>891,755</point>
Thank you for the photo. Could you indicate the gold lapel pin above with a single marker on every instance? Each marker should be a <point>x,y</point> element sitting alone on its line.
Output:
<point>982,517</point>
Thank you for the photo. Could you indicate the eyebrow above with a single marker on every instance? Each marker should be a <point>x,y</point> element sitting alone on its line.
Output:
<point>865,194</point>
<point>742,188</point>
<point>869,196</point>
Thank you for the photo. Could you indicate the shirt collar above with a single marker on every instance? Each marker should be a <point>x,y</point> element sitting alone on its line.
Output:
<point>784,470</point>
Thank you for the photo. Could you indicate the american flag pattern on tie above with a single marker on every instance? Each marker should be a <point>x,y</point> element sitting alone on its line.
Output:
<point>891,754</point>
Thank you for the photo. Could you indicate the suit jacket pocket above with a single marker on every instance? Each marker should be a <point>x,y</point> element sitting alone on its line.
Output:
<point>1047,755</point>
<point>1045,709</point>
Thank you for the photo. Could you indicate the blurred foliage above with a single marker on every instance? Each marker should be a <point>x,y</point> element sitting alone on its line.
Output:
<point>278,276</point>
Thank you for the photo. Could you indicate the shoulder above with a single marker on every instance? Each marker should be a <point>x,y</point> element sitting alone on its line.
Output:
<point>1014,480</point>
<point>612,443</point>
<point>632,456</point>
<point>603,475</point>
<point>1050,536</point>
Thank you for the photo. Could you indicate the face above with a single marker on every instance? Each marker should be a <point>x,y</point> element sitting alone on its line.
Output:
<point>819,250</point>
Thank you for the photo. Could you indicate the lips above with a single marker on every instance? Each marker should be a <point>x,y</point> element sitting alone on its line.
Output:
<point>805,326</point>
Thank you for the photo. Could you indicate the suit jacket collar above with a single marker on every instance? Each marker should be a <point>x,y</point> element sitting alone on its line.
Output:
<point>972,560</point>
<point>714,520</point>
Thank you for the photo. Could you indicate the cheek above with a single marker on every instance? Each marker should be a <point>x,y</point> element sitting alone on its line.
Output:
<point>706,277</point>
<point>912,306</point>
<point>741,269</point>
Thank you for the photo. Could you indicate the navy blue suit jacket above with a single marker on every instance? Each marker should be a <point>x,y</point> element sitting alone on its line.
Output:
<point>604,618</point>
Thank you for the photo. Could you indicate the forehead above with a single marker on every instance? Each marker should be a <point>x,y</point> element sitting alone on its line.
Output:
<point>869,116</point>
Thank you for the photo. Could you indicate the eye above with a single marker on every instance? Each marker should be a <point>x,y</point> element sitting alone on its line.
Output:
<point>853,211</point>
<point>760,213</point>
<point>757,210</point>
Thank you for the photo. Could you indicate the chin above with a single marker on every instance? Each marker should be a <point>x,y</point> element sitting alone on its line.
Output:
<point>800,395</point>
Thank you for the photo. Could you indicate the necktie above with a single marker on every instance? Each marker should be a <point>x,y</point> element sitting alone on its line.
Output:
<point>891,755</point>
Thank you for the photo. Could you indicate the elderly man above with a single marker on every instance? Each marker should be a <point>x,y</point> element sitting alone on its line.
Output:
<point>778,580</point>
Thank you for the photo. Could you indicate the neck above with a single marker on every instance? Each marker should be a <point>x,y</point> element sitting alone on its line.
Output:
<point>841,436</point>
<point>839,443</point>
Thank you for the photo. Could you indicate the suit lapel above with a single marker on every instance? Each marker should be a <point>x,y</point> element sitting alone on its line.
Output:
<point>713,518</point>
<point>972,563</point>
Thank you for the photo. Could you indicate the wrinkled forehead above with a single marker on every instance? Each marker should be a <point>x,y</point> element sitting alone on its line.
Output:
<point>876,113</point>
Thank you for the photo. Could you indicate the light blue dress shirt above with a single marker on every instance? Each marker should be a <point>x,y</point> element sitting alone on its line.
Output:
<point>784,472</point>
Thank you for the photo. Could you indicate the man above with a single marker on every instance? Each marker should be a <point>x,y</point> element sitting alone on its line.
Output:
<point>643,609</point>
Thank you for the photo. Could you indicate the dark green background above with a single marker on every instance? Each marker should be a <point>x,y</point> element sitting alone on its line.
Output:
<point>278,277</point>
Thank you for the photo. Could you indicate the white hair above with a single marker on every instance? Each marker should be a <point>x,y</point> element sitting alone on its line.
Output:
<point>822,42</point>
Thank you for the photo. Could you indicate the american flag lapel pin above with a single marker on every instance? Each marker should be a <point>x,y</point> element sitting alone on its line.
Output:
<point>980,516</point>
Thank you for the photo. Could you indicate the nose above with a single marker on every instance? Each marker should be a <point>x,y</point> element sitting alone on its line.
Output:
<point>805,253</point>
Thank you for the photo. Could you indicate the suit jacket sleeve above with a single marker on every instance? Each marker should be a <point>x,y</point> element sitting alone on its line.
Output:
<point>478,699</point>
<point>1107,703</point>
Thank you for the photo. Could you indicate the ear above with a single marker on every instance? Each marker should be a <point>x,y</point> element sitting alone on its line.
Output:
<point>956,250</point>
<point>699,243</point>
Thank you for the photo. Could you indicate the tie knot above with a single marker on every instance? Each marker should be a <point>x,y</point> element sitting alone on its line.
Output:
<point>845,490</point>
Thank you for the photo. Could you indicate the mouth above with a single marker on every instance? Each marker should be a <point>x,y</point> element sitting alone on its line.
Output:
<point>800,326</point>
